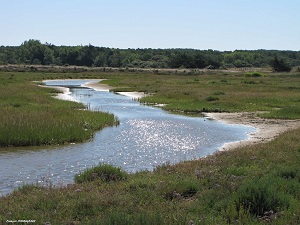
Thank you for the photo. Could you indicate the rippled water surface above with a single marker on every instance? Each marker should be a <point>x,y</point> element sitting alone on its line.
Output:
<point>147,137</point>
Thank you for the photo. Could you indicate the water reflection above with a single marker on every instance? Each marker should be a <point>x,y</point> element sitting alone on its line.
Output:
<point>146,137</point>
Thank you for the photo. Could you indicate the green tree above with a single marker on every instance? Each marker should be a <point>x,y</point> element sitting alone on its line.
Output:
<point>48,56</point>
<point>280,65</point>
<point>100,60</point>
<point>32,50</point>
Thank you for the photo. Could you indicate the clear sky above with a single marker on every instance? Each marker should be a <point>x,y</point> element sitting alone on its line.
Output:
<point>199,24</point>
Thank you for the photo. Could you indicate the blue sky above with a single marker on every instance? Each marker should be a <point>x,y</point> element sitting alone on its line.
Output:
<point>199,24</point>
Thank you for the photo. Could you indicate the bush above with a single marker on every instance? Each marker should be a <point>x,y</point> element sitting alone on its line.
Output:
<point>211,98</point>
<point>254,74</point>
<point>280,65</point>
<point>260,196</point>
<point>219,93</point>
<point>103,172</point>
<point>288,172</point>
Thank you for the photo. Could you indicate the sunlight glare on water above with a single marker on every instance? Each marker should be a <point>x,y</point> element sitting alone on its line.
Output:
<point>156,134</point>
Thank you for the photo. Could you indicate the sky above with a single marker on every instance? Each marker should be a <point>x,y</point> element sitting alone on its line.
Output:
<point>224,25</point>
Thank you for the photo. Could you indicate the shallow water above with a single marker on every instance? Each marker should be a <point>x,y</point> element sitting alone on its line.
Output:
<point>146,137</point>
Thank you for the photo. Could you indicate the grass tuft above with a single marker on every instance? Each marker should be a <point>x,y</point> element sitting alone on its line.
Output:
<point>261,196</point>
<point>104,172</point>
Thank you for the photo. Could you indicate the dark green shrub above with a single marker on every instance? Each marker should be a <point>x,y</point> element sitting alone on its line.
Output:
<point>249,82</point>
<point>260,196</point>
<point>280,65</point>
<point>55,91</point>
<point>102,172</point>
<point>254,74</point>
<point>288,172</point>
<point>219,93</point>
<point>211,98</point>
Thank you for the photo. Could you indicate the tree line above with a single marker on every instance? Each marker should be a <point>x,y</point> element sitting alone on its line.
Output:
<point>33,52</point>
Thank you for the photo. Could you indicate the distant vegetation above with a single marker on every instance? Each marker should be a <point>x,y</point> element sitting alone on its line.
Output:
<point>34,52</point>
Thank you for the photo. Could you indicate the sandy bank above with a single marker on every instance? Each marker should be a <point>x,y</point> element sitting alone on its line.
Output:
<point>96,85</point>
<point>64,95</point>
<point>266,129</point>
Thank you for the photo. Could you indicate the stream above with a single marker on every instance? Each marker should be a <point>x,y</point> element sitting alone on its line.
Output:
<point>146,137</point>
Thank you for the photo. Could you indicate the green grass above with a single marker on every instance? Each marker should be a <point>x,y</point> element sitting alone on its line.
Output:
<point>288,112</point>
<point>30,116</point>
<point>105,173</point>
<point>232,92</point>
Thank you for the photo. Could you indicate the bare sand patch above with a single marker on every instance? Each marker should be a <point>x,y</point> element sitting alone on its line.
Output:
<point>96,85</point>
<point>64,95</point>
<point>266,129</point>
<point>133,94</point>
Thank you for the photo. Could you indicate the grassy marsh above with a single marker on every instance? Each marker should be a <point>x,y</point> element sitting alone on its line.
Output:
<point>30,116</point>
<point>256,184</point>
<point>231,92</point>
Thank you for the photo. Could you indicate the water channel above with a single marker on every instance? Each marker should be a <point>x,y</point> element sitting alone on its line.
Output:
<point>146,137</point>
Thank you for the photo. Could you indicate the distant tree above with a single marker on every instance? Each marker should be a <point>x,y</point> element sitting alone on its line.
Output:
<point>32,50</point>
<point>280,65</point>
<point>2,59</point>
<point>181,59</point>
<point>86,56</point>
<point>100,60</point>
<point>199,60</point>
<point>9,57</point>
<point>36,62</point>
<point>48,56</point>
<point>115,59</point>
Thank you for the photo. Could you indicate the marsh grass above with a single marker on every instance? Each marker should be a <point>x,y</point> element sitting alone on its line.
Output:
<point>206,93</point>
<point>104,172</point>
<point>30,116</point>
<point>260,196</point>
<point>60,126</point>
<point>288,112</point>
